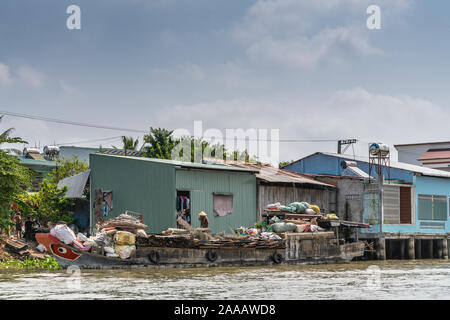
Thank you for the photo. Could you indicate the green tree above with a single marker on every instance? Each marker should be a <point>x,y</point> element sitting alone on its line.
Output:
<point>128,144</point>
<point>67,168</point>
<point>52,204</point>
<point>14,179</point>
<point>5,136</point>
<point>159,143</point>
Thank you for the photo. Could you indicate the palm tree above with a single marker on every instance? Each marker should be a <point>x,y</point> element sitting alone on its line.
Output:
<point>129,144</point>
<point>5,137</point>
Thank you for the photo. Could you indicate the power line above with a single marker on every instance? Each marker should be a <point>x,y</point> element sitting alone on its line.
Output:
<point>88,141</point>
<point>97,126</point>
<point>73,123</point>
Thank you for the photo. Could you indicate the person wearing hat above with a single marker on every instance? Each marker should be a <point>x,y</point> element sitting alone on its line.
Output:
<point>204,221</point>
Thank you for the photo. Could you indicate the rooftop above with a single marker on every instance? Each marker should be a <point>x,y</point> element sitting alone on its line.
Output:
<point>421,144</point>
<point>181,164</point>
<point>275,175</point>
<point>435,154</point>
<point>393,164</point>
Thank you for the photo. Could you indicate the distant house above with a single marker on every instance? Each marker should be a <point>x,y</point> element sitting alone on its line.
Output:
<point>415,198</point>
<point>434,155</point>
<point>40,167</point>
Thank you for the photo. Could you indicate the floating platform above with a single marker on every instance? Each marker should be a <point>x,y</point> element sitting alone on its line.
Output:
<point>298,248</point>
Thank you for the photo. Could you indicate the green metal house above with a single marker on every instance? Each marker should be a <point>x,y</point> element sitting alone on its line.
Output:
<point>153,188</point>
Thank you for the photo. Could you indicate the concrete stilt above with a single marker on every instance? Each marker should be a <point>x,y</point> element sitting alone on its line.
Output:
<point>418,249</point>
<point>439,249</point>
<point>444,246</point>
<point>430,253</point>
<point>411,249</point>
<point>402,249</point>
<point>381,249</point>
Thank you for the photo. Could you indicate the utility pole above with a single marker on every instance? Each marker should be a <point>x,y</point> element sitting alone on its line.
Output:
<point>347,142</point>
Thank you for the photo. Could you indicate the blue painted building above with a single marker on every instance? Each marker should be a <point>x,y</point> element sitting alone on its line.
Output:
<point>415,199</point>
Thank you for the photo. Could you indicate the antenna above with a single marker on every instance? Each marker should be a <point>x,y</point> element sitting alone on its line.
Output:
<point>348,143</point>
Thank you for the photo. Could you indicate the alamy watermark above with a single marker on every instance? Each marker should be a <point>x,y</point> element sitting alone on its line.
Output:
<point>237,145</point>
<point>73,282</point>
<point>373,22</point>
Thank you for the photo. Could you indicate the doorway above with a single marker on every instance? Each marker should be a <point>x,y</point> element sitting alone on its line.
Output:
<point>183,206</point>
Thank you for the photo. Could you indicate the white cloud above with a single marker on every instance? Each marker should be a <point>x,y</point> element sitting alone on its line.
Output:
<point>353,113</point>
<point>5,76</point>
<point>31,76</point>
<point>303,33</point>
<point>69,89</point>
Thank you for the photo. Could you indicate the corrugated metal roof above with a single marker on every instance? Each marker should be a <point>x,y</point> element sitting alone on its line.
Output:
<point>26,161</point>
<point>275,175</point>
<point>398,165</point>
<point>181,164</point>
<point>75,184</point>
<point>355,172</point>
<point>421,144</point>
<point>437,154</point>
<point>121,152</point>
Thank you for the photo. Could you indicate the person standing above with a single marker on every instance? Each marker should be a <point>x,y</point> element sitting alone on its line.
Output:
<point>18,222</point>
<point>204,221</point>
<point>29,229</point>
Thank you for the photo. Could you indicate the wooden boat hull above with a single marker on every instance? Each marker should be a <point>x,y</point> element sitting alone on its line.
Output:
<point>312,248</point>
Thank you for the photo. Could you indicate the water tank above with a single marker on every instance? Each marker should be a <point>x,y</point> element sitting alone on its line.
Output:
<point>346,164</point>
<point>51,150</point>
<point>378,149</point>
<point>30,150</point>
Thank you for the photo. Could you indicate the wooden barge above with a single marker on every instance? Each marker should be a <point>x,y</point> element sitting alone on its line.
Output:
<point>295,248</point>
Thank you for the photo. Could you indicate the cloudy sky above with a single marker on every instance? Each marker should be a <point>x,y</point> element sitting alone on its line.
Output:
<point>311,69</point>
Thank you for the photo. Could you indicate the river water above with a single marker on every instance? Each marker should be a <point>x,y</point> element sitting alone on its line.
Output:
<point>424,279</point>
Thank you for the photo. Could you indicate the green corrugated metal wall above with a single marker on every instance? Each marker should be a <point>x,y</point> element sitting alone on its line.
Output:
<point>141,186</point>
<point>203,183</point>
<point>150,188</point>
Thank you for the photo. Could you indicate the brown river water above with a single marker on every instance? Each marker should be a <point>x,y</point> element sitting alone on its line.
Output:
<point>424,279</point>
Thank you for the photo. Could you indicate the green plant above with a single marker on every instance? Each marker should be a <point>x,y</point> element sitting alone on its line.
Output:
<point>52,203</point>
<point>67,168</point>
<point>5,136</point>
<point>14,179</point>
<point>49,263</point>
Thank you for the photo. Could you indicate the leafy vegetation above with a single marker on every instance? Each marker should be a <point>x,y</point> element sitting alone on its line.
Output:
<point>160,144</point>
<point>5,136</point>
<point>129,144</point>
<point>14,178</point>
<point>49,263</point>
<point>51,203</point>
<point>67,168</point>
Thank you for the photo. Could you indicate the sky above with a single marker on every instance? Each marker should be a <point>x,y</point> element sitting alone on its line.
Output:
<point>311,69</point>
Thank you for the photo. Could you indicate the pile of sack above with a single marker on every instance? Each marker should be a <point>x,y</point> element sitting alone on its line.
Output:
<point>291,225</point>
<point>116,238</point>
<point>295,207</point>
<point>120,243</point>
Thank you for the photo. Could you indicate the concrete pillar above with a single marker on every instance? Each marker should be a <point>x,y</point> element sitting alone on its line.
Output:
<point>430,254</point>
<point>439,248</point>
<point>418,249</point>
<point>381,249</point>
<point>402,249</point>
<point>411,249</point>
<point>444,246</point>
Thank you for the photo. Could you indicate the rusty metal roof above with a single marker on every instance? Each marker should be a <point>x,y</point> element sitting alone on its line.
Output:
<point>435,154</point>
<point>275,175</point>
